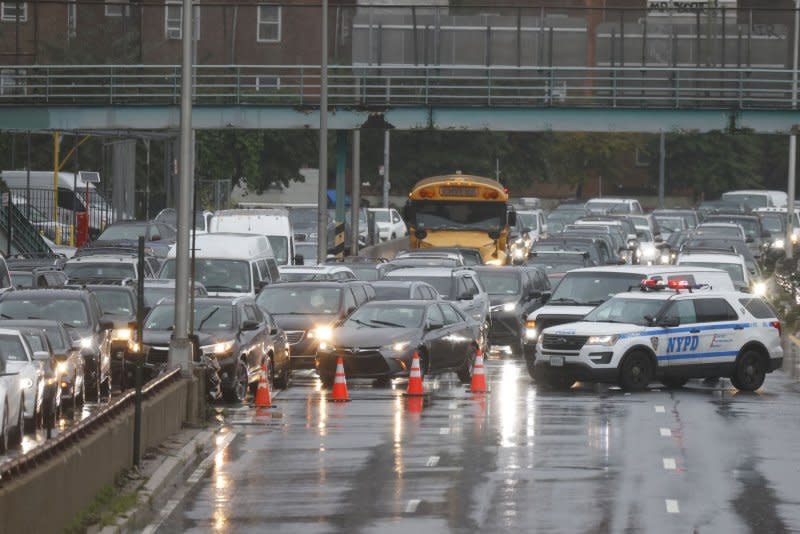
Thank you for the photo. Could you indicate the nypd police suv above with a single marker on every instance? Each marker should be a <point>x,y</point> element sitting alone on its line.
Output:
<point>670,334</point>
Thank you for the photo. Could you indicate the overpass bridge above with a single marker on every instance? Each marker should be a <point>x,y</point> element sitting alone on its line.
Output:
<point>617,99</point>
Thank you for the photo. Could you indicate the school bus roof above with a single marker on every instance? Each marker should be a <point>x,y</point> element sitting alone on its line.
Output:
<point>433,180</point>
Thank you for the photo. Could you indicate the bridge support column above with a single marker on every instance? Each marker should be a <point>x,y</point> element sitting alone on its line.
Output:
<point>341,169</point>
<point>355,193</point>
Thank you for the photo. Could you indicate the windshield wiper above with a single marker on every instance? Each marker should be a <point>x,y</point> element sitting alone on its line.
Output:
<point>566,300</point>
<point>362,323</point>
<point>387,323</point>
<point>4,316</point>
<point>207,317</point>
<point>222,288</point>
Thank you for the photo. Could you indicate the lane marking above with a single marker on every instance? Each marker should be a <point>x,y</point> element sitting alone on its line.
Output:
<point>666,432</point>
<point>193,479</point>
<point>444,431</point>
<point>660,409</point>
<point>672,506</point>
<point>411,507</point>
<point>433,461</point>
<point>669,463</point>
<point>452,406</point>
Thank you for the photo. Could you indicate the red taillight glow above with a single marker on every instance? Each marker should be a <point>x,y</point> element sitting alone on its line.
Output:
<point>650,282</point>
<point>678,284</point>
<point>777,326</point>
<point>490,194</point>
<point>427,193</point>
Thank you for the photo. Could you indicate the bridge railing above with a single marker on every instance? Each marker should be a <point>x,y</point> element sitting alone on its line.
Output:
<point>384,86</point>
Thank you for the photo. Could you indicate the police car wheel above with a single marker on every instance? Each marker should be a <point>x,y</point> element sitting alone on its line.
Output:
<point>750,371</point>
<point>636,371</point>
<point>674,382</point>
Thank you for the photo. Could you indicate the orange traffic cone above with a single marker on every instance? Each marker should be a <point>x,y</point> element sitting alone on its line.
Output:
<point>415,388</point>
<point>478,384</point>
<point>415,404</point>
<point>339,393</point>
<point>263,395</point>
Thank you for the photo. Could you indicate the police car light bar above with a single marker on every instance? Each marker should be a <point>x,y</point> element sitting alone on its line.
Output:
<point>656,284</point>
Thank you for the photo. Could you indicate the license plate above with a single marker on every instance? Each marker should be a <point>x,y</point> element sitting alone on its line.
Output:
<point>556,361</point>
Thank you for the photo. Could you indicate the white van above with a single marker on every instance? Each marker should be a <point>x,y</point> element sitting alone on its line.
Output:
<point>272,222</point>
<point>758,198</point>
<point>582,290</point>
<point>71,196</point>
<point>229,265</point>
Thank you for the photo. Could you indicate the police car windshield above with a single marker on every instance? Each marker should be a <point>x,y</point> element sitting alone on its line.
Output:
<point>625,310</point>
<point>592,288</point>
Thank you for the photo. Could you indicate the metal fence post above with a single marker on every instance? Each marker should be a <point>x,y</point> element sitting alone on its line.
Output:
<point>137,413</point>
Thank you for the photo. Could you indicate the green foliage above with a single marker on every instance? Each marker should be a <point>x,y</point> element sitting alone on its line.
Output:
<point>574,156</point>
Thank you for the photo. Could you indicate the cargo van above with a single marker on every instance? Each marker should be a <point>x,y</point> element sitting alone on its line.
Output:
<point>272,222</point>
<point>228,264</point>
<point>582,290</point>
<point>72,191</point>
<point>758,198</point>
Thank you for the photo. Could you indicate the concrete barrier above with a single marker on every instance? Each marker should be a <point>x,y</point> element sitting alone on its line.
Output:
<point>44,493</point>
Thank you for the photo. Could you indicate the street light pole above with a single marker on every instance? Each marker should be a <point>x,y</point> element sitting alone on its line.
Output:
<point>322,189</point>
<point>790,189</point>
<point>180,349</point>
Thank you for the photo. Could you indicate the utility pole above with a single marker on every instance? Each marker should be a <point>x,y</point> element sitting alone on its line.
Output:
<point>180,348</point>
<point>790,189</point>
<point>355,193</point>
<point>386,145</point>
<point>322,189</point>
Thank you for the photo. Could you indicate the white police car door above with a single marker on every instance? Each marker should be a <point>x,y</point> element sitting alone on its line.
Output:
<point>719,330</point>
<point>679,345</point>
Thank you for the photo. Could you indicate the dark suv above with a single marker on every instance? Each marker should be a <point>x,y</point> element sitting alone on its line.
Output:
<point>307,312</point>
<point>79,311</point>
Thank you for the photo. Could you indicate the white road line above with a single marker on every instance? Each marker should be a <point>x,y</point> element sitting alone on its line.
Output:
<point>452,406</point>
<point>660,409</point>
<point>411,507</point>
<point>672,506</point>
<point>433,461</point>
<point>669,463</point>
<point>193,479</point>
<point>666,432</point>
<point>444,431</point>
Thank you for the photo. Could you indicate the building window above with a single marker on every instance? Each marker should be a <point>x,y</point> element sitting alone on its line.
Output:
<point>10,10</point>
<point>173,19</point>
<point>116,8</point>
<point>269,24</point>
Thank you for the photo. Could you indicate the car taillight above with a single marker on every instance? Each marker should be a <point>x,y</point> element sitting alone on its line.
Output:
<point>777,326</point>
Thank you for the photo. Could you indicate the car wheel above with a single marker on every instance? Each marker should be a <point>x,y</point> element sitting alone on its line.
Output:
<point>530,365</point>
<point>636,371</point>
<point>16,438</point>
<point>750,371</point>
<point>424,363</point>
<point>394,236</point>
<point>93,393</point>
<point>282,380</point>
<point>105,388</point>
<point>237,392</point>
<point>30,425</point>
<point>382,382</point>
<point>51,414</point>
<point>4,432</point>
<point>465,371</point>
<point>674,382</point>
<point>81,400</point>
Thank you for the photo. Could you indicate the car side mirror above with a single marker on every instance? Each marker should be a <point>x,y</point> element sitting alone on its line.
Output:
<point>273,331</point>
<point>546,296</point>
<point>250,325</point>
<point>155,238</point>
<point>299,260</point>
<point>434,325</point>
<point>465,296</point>
<point>535,293</point>
<point>658,239</point>
<point>76,344</point>
<point>669,322</point>
<point>621,261</point>
<point>41,355</point>
<point>749,239</point>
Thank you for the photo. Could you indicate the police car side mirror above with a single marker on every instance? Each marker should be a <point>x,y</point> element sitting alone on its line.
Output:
<point>669,322</point>
<point>749,239</point>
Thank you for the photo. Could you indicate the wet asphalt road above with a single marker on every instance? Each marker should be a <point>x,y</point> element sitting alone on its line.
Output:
<point>594,459</point>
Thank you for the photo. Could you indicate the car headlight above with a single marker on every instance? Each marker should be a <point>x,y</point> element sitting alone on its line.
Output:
<point>62,368</point>
<point>495,261</point>
<point>530,330</point>
<point>122,334</point>
<point>397,347</point>
<point>778,243</point>
<point>794,239</point>
<point>518,253</point>
<point>87,343</point>
<point>323,333</point>
<point>25,383</point>
<point>665,258</point>
<point>648,252</point>
<point>760,289</point>
<point>509,306</point>
<point>218,348</point>
<point>602,340</point>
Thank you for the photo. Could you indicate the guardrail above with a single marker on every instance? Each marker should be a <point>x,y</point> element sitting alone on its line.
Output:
<point>72,436</point>
<point>371,86</point>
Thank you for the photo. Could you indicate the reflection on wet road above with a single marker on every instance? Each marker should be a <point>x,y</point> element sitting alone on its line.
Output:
<point>594,459</point>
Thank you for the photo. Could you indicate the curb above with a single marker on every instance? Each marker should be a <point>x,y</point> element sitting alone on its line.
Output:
<point>161,479</point>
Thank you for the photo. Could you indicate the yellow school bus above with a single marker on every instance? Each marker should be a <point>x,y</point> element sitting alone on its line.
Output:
<point>459,210</point>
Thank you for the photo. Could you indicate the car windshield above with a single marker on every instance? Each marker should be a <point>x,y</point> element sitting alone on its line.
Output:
<point>305,300</point>
<point>728,231</point>
<point>773,223</point>
<point>734,270</point>
<point>670,224</point>
<point>527,220</point>
<point>71,312</point>
<point>382,216</point>
<point>280,247</point>
<point>11,349</point>
<point>289,276</point>
<point>114,302</point>
<point>625,310</point>
<point>440,283</point>
<point>558,219</point>
<point>434,215</point>
<point>216,275</point>
<point>22,279</point>
<point>99,271</point>
<point>559,264</point>
<point>609,207</point>
<point>308,251</point>
<point>365,272</point>
<point>591,289</point>
<point>500,283</point>
<point>123,231</point>
<point>208,316</point>
<point>391,293</point>
<point>750,225</point>
<point>56,337</point>
<point>749,200</point>
<point>386,316</point>
<point>169,216</point>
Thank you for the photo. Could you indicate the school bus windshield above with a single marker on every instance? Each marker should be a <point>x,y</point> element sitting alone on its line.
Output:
<point>448,215</point>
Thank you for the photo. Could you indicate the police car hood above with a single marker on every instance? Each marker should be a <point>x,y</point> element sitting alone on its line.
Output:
<point>553,309</point>
<point>589,328</point>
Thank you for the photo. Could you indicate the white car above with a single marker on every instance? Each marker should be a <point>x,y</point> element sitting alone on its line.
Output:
<point>390,224</point>
<point>315,273</point>
<point>12,396</point>
<point>29,366</point>
<point>734,264</point>
<point>667,334</point>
